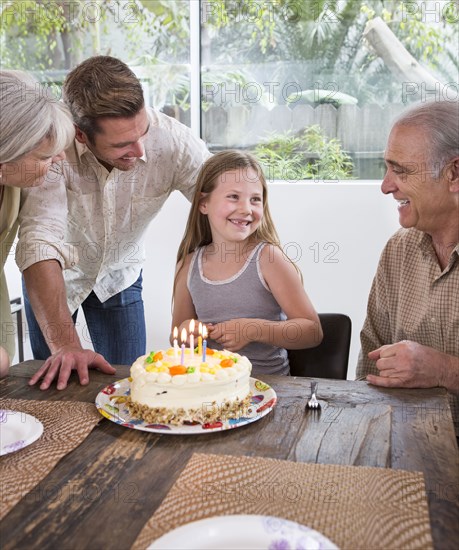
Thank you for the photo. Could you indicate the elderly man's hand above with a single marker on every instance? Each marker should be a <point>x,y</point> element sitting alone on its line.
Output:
<point>408,364</point>
<point>61,364</point>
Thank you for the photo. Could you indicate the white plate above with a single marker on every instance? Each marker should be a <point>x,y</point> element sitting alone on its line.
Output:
<point>109,405</point>
<point>243,532</point>
<point>17,430</point>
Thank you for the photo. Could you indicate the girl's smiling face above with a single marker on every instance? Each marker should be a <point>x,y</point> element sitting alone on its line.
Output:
<point>235,207</point>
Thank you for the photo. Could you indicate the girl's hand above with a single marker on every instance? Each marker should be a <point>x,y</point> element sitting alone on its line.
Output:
<point>186,325</point>
<point>235,334</point>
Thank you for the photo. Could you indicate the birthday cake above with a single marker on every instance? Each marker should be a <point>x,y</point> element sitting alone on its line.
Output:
<point>170,387</point>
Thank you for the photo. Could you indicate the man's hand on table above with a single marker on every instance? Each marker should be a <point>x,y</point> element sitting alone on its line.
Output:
<point>60,366</point>
<point>408,364</point>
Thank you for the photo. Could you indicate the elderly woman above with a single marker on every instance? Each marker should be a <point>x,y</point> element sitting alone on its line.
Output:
<point>35,129</point>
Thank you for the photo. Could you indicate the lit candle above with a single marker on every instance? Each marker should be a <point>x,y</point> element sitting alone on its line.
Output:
<point>192,336</point>
<point>183,337</point>
<point>204,343</point>
<point>200,339</point>
<point>175,334</point>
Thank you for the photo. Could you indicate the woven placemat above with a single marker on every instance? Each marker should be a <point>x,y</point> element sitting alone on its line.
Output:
<point>65,426</point>
<point>354,506</point>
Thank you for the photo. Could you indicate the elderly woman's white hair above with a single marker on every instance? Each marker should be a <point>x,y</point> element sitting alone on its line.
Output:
<point>28,115</point>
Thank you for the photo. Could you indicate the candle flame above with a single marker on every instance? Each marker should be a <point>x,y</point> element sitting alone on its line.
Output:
<point>204,332</point>
<point>192,326</point>
<point>200,328</point>
<point>175,332</point>
<point>183,335</point>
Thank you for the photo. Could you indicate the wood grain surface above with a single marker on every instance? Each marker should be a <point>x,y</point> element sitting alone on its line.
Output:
<point>101,494</point>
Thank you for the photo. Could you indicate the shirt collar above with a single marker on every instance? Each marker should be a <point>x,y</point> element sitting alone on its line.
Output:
<point>81,149</point>
<point>427,249</point>
<point>425,243</point>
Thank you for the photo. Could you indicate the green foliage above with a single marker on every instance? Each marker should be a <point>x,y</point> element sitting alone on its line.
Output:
<point>223,13</point>
<point>306,155</point>
<point>422,40</point>
<point>21,22</point>
<point>324,37</point>
<point>39,35</point>
<point>264,27</point>
<point>162,30</point>
<point>320,42</point>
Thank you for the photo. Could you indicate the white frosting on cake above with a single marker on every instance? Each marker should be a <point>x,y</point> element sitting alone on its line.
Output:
<point>204,384</point>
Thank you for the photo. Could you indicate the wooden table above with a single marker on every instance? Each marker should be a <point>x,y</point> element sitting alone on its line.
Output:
<point>129,472</point>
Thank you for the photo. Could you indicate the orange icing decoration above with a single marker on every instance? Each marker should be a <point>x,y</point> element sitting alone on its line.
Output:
<point>177,369</point>
<point>157,356</point>
<point>210,351</point>
<point>225,363</point>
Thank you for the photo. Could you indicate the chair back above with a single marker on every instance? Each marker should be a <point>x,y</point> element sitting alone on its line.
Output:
<point>330,358</point>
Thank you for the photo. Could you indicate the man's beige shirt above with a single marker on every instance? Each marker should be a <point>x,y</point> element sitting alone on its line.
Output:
<point>413,299</point>
<point>94,221</point>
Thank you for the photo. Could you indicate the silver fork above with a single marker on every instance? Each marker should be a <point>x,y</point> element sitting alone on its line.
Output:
<point>313,403</point>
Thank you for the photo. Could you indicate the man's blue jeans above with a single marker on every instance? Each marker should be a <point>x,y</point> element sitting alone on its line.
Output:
<point>116,327</point>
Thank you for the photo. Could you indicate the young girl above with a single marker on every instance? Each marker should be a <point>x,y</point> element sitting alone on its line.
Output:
<point>232,274</point>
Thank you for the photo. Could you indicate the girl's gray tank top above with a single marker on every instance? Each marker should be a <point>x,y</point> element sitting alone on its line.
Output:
<point>244,295</point>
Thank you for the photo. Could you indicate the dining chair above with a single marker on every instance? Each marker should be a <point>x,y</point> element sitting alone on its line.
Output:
<point>16,309</point>
<point>330,358</point>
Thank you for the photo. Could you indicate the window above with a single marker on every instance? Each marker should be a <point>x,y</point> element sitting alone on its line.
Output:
<point>287,78</point>
<point>152,36</point>
<point>310,86</point>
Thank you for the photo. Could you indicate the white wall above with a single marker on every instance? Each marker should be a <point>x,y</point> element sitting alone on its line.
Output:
<point>335,231</point>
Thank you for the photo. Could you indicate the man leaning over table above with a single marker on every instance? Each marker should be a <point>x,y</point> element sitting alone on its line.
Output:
<point>410,338</point>
<point>81,239</point>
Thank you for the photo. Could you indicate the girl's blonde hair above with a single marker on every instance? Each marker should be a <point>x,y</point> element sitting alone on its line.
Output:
<point>197,231</point>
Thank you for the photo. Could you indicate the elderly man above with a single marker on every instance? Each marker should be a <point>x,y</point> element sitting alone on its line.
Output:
<point>410,338</point>
<point>90,220</point>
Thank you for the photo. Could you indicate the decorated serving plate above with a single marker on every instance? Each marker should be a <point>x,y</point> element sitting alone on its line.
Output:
<point>110,403</point>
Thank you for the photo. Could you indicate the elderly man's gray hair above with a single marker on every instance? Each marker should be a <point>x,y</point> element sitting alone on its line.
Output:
<point>440,121</point>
